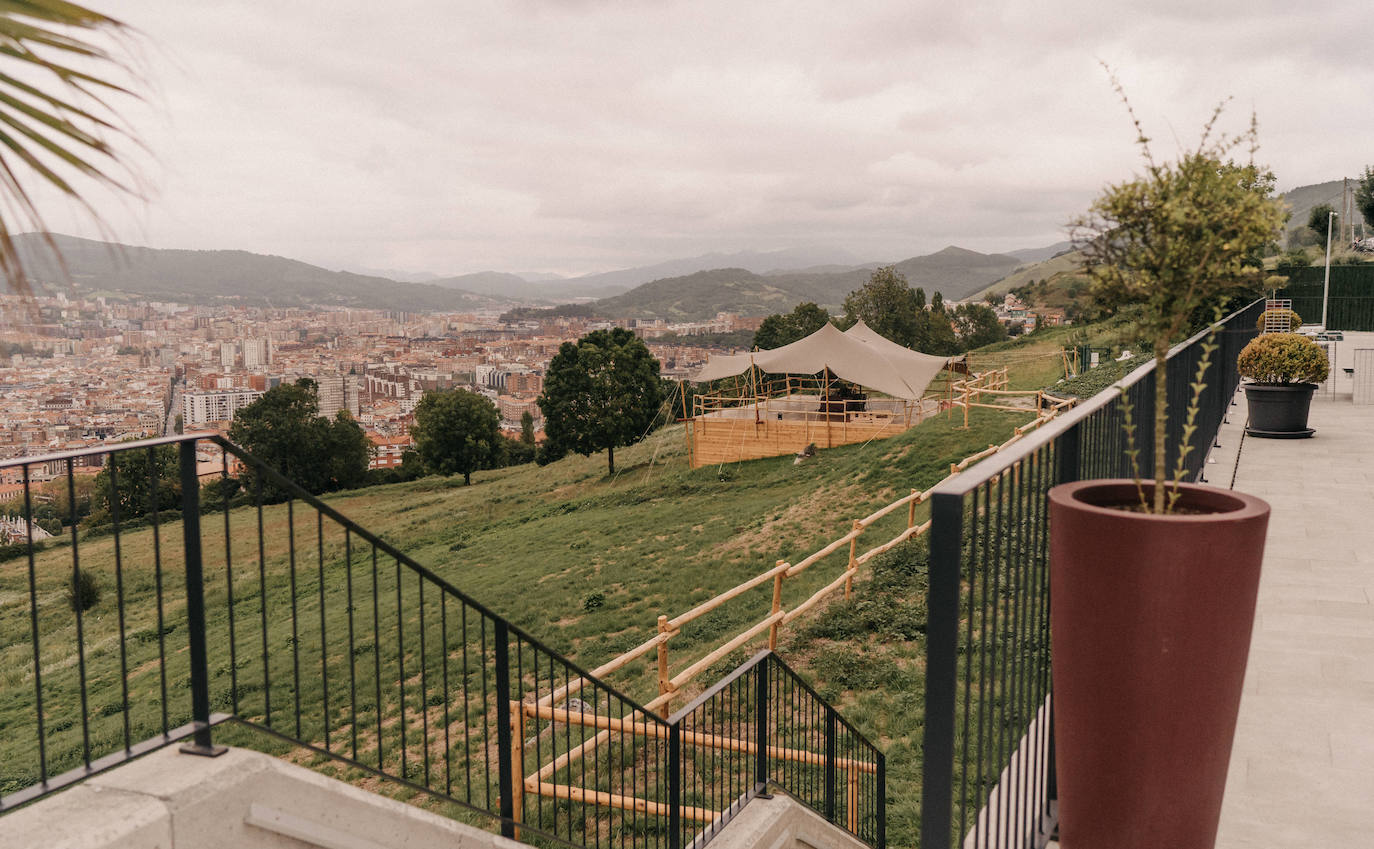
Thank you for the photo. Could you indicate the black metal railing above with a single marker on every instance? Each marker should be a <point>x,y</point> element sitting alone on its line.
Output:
<point>191,584</point>
<point>988,774</point>
<point>763,726</point>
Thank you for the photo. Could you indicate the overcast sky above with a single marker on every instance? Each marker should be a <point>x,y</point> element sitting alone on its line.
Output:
<point>573,136</point>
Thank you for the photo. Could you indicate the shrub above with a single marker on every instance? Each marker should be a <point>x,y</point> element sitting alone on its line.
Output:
<point>1281,318</point>
<point>1283,358</point>
<point>83,591</point>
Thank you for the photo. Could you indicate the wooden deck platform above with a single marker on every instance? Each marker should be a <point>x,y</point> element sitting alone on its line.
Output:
<point>749,435</point>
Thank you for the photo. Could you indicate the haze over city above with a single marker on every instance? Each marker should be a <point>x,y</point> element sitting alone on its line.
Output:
<point>572,137</point>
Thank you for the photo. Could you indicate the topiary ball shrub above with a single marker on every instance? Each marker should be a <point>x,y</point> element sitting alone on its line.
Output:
<point>1284,319</point>
<point>1283,358</point>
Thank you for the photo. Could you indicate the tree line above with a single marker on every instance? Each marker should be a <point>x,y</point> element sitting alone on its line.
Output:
<point>890,306</point>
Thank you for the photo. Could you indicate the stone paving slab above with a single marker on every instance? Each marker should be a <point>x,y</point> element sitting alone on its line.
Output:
<point>1302,766</point>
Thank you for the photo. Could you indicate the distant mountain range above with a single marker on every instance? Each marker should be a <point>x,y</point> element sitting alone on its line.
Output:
<point>96,268</point>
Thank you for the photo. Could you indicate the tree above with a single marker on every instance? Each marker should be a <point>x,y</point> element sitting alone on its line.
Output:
<point>887,304</point>
<point>1364,195</point>
<point>1317,221</point>
<point>601,392</point>
<point>978,325</point>
<point>1171,241</point>
<point>136,481</point>
<point>785,328</point>
<point>285,430</point>
<point>56,115</point>
<point>457,431</point>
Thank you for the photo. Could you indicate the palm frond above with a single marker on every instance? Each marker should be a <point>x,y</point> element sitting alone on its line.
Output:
<point>55,134</point>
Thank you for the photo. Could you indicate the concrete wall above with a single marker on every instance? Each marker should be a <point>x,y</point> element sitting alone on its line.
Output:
<point>242,799</point>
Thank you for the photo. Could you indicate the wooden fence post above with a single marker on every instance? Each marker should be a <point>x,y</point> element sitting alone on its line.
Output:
<point>849,574</point>
<point>777,605</point>
<point>517,762</point>
<point>663,685</point>
<point>911,510</point>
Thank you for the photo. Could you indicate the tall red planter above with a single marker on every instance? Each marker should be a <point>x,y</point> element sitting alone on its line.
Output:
<point>1150,630</point>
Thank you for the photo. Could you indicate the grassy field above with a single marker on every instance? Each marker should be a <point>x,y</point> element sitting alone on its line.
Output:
<point>583,561</point>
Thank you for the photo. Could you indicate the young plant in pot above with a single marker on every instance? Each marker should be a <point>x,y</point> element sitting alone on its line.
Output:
<point>1286,369</point>
<point>1154,581</point>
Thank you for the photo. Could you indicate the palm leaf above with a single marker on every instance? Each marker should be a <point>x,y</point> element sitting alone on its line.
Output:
<point>55,135</point>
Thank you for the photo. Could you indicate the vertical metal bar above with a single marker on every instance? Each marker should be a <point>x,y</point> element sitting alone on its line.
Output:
<point>262,596</point>
<point>377,655</point>
<point>448,746</point>
<point>195,606</point>
<point>78,605</point>
<point>830,763</point>
<point>503,747</point>
<point>675,786</point>
<point>228,581</point>
<point>119,605</point>
<point>880,787</point>
<point>157,574</point>
<point>400,666</point>
<point>295,631</point>
<point>324,639</point>
<point>424,678</point>
<point>33,625</point>
<point>942,647</point>
<point>352,659</point>
<point>761,721</point>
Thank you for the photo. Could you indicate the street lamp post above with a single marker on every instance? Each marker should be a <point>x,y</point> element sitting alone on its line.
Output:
<point>1326,280</point>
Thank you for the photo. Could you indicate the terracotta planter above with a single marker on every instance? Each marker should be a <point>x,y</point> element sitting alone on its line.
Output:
<point>1150,631</point>
<point>1279,410</point>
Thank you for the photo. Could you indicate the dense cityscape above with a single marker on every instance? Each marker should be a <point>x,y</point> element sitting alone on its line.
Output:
<point>79,373</point>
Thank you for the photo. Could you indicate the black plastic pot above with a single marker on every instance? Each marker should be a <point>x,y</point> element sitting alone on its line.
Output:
<point>1279,410</point>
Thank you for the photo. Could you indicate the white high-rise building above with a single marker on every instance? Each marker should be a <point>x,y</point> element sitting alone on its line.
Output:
<point>198,408</point>
<point>256,353</point>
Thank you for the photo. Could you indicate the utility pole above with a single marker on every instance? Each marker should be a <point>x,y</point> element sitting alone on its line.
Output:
<point>1326,280</point>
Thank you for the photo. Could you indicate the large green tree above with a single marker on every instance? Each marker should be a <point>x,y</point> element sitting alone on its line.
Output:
<point>457,431</point>
<point>1317,222</point>
<point>56,123</point>
<point>136,481</point>
<point>1364,195</point>
<point>887,304</point>
<point>785,328</point>
<point>284,428</point>
<point>599,393</point>
<point>978,325</point>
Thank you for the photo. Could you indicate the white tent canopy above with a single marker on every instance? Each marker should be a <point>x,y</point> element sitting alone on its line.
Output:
<point>858,355</point>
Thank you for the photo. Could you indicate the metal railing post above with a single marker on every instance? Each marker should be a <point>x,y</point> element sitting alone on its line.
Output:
<point>942,668</point>
<point>761,723</point>
<point>830,763</point>
<point>675,786</point>
<point>506,779</point>
<point>200,744</point>
<point>1066,455</point>
<point>881,782</point>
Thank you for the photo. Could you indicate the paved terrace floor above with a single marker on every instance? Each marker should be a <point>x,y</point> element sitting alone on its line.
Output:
<point>1302,767</point>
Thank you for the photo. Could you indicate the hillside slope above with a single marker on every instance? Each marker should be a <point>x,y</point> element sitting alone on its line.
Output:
<point>94,267</point>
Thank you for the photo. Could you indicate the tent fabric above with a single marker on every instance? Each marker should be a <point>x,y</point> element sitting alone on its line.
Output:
<point>854,356</point>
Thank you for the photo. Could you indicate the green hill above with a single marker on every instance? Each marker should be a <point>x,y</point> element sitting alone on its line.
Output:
<point>102,268</point>
<point>954,272</point>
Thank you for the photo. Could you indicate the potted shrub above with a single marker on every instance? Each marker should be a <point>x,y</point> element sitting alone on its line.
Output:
<point>1154,582</point>
<point>1286,369</point>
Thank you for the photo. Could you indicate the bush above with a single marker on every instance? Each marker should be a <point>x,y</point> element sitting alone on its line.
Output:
<point>1278,318</point>
<point>83,591</point>
<point>1283,358</point>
